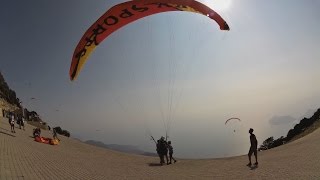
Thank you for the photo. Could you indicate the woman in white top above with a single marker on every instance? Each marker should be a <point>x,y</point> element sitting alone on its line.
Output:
<point>12,124</point>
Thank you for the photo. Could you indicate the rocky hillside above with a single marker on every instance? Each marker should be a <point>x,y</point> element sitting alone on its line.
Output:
<point>7,106</point>
<point>6,93</point>
<point>8,99</point>
<point>303,128</point>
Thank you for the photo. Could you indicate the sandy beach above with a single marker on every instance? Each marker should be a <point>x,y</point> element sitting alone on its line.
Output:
<point>23,158</point>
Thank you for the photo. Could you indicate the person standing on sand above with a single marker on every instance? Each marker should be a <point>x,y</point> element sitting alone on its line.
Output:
<point>163,150</point>
<point>170,148</point>
<point>158,150</point>
<point>253,147</point>
<point>22,122</point>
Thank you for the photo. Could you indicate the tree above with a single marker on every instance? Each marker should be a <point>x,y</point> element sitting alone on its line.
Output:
<point>268,142</point>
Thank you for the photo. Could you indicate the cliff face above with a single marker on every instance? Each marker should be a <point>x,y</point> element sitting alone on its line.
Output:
<point>7,106</point>
<point>6,93</point>
<point>8,99</point>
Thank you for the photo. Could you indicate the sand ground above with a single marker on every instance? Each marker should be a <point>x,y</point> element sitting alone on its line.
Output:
<point>23,158</point>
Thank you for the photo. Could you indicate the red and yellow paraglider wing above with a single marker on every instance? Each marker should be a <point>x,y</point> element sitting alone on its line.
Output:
<point>125,13</point>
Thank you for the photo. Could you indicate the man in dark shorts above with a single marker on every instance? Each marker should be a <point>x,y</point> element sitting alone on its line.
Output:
<point>253,147</point>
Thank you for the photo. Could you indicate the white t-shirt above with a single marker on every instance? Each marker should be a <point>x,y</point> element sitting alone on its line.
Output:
<point>12,119</point>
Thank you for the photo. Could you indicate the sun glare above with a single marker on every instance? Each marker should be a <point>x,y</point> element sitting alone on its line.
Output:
<point>218,5</point>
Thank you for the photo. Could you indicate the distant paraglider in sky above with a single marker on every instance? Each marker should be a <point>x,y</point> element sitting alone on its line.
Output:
<point>127,12</point>
<point>231,119</point>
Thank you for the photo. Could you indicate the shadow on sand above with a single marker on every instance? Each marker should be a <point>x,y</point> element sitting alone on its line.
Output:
<point>7,134</point>
<point>154,164</point>
<point>253,167</point>
<point>4,129</point>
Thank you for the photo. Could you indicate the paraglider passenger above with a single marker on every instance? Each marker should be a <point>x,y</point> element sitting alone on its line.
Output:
<point>253,147</point>
<point>171,152</point>
<point>163,150</point>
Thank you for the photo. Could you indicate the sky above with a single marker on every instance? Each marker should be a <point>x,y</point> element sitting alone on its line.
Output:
<point>174,72</point>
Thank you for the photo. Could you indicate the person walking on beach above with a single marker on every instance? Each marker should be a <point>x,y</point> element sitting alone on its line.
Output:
<point>12,124</point>
<point>170,148</point>
<point>19,121</point>
<point>253,147</point>
<point>9,117</point>
<point>22,122</point>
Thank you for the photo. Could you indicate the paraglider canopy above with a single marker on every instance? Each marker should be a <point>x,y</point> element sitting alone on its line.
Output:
<point>127,12</point>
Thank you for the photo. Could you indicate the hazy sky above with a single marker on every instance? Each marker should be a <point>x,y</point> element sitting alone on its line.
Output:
<point>173,68</point>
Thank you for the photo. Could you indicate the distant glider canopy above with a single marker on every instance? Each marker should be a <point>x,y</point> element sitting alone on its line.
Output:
<point>232,119</point>
<point>127,12</point>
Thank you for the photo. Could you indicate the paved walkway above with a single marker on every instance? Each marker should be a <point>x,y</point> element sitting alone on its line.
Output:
<point>23,158</point>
